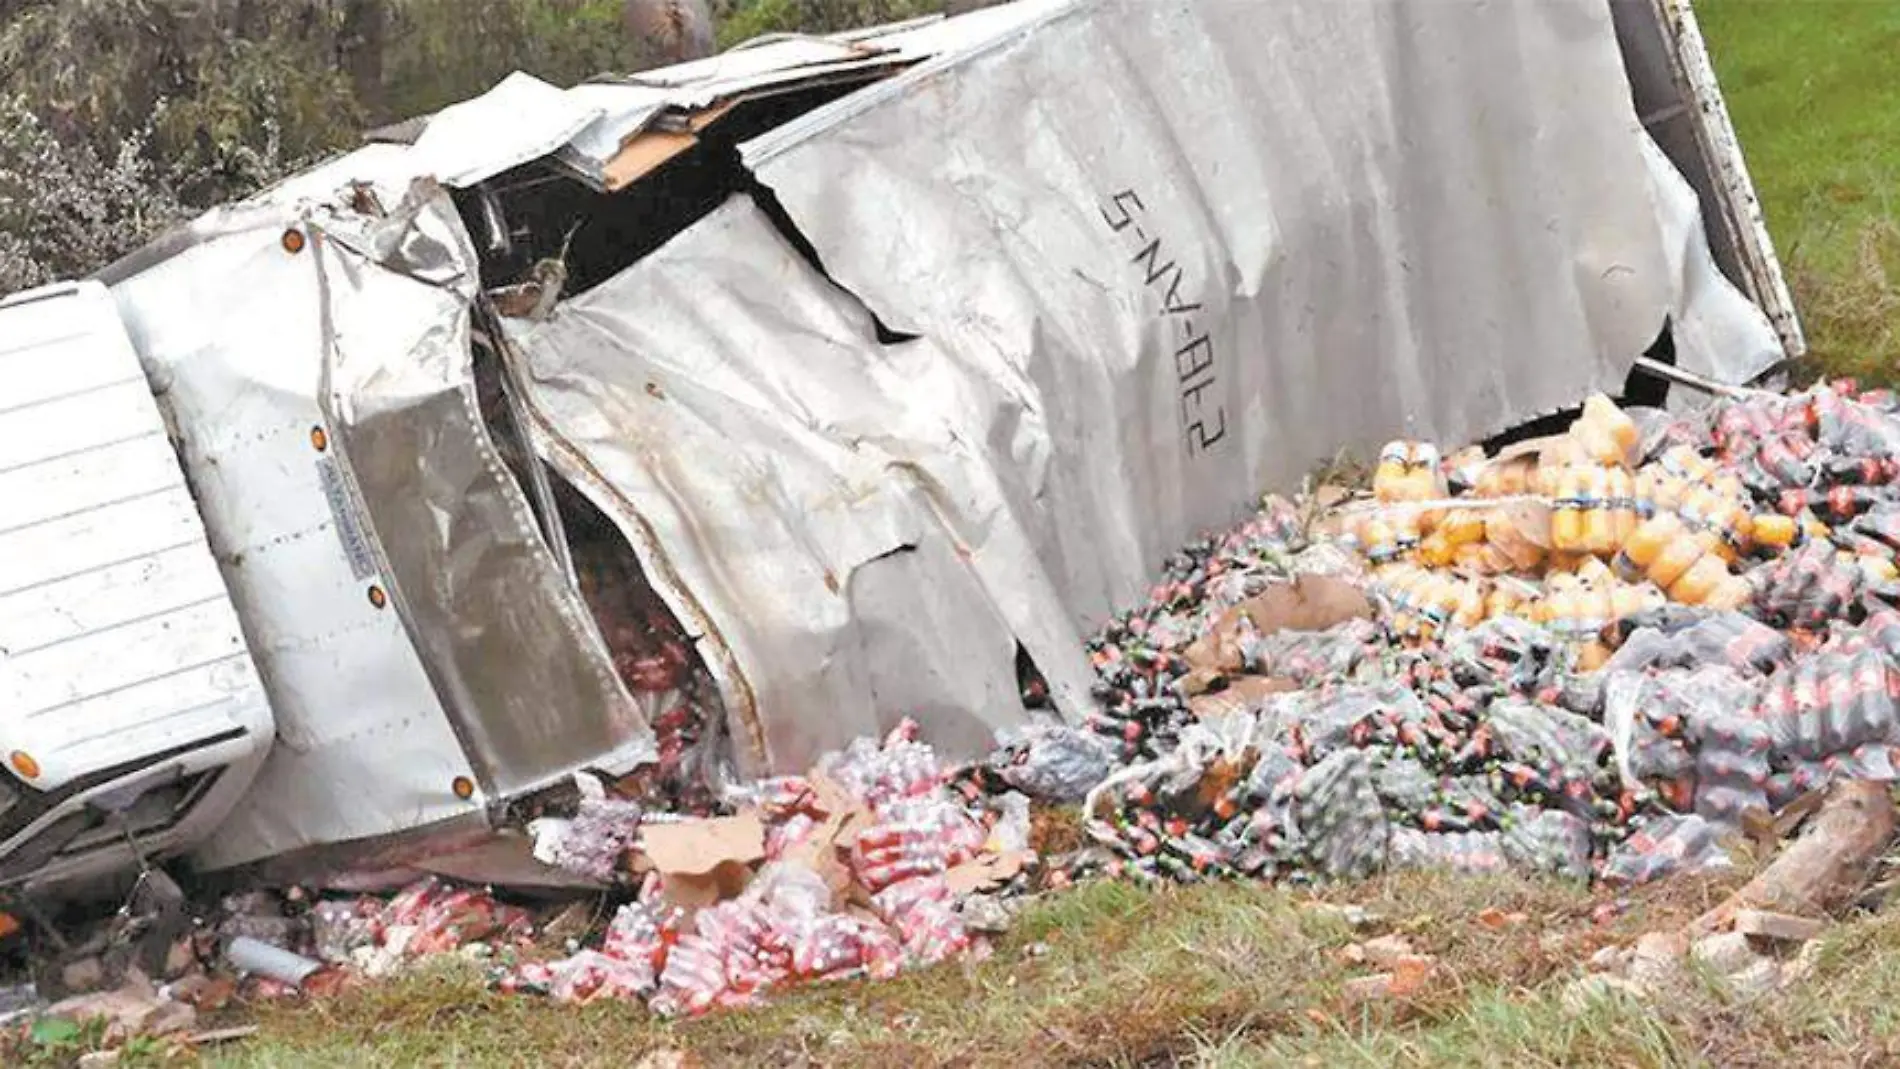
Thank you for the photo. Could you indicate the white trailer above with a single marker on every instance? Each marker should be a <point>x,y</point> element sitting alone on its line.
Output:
<point>887,363</point>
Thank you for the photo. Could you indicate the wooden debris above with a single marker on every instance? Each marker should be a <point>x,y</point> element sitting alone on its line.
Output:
<point>1826,867</point>
<point>1780,927</point>
<point>222,1035</point>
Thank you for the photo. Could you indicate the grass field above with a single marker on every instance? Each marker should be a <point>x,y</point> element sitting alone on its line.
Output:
<point>1237,975</point>
<point>1106,975</point>
<point>1814,90</point>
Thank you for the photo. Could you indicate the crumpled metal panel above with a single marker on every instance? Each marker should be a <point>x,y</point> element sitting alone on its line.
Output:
<point>733,413</point>
<point>1718,332</point>
<point>522,118</point>
<point>628,105</point>
<point>230,335</point>
<point>523,672</point>
<point>1157,258</point>
<point>1203,247</point>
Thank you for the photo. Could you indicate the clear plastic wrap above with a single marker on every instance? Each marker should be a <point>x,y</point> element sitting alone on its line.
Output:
<point>1311,657</point>
<point>1547,840</point>
<point>1831,704</point>
<point>1694,736</point>
<point>1473,852</point>
<point>1809,588</point>
<point>585,977</point>
<point>1683,637</point>
<point>596,841</point>
<point>341,927</point>
<point>1665,846</point>
<point>1053,762</point>
<point>1341,825</point>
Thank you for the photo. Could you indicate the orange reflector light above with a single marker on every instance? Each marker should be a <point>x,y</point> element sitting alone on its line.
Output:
<point>318,439</point>
<point>463,787</point>
<point>293,241</point>
<point>24,764</point>
<point>377,597</point>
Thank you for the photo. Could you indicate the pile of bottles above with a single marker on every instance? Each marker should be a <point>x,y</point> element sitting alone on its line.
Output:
<point>1532,531</point>
<point>1592,656</point>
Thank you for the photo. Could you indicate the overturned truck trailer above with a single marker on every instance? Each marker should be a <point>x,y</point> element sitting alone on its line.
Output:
<point>693,423</point>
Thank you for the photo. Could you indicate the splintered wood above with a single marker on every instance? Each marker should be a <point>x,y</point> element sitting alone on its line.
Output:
<point>1825,868</point>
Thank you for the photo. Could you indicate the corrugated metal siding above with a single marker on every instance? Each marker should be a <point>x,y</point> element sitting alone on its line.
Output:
<point>117,635</point>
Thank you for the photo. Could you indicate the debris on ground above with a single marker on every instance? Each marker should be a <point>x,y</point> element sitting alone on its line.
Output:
<point>1747,941</point>
<point>1599,655</point>
<point>857,869</point>
<point>1594,655</point>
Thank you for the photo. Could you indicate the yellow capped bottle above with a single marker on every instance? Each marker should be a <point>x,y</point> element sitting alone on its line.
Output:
<point>1644,545</point>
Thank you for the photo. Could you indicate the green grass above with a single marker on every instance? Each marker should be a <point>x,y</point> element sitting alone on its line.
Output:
<point>1813,87</point>
<point>1109,974</point>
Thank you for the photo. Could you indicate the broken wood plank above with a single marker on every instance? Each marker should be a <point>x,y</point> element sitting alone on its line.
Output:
<point>1781,927</point>
<point>222,1035</point>
<point>1826,867</point>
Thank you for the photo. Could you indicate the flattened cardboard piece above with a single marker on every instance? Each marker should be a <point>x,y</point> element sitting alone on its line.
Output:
<point>823,850</point>
<point>697,847</point>
<point>704,861</point>
<point>698,890</point>
<point>987,871</point>
<point>1201,680</point>
<point>1240,695</point>
<point>1308,603</point>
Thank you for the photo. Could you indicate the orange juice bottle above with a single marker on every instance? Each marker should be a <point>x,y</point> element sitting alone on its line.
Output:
<point>1389,479</point>
<point>1677,556</point>
<point>1772,530</point>
<point>1627,600</point>
<point>1606,432</point>
<point>1566,517</point>
<point>1377,540</point>
<point>1599,522</point>
<point>1621,492</point>
<point>1686,464</point>
<point>1696,585</point>
<point>1456,529</point>
<point>1645,544</point>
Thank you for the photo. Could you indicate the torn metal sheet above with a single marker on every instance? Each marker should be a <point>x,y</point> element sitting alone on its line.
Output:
<point>521,119</point>
<point>1194,260</point>
<point>629,105</point>
<point>524,674</point>
<point>723,396</point>
<point>1718,332</point>
<point>1206,257</point>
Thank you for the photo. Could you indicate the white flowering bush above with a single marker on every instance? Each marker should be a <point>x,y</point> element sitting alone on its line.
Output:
<point>66,210</point>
